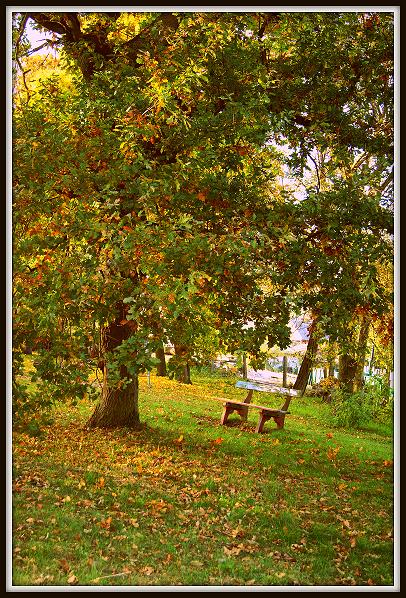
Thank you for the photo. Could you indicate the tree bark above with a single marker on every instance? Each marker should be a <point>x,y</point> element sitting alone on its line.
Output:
<point>244,366</point>
<point>161,367</point>
<point>118,405</point>
<point>362,351</point>
<point>285,371</point>
<point>306,365</point>
<point>351,367</point>
<point>182,373</point>
<point>347,370</point>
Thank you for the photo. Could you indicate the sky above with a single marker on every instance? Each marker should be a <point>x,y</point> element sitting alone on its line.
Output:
<point>37,38</point>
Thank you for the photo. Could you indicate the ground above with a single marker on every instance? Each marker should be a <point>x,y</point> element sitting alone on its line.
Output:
<point>186,501</point>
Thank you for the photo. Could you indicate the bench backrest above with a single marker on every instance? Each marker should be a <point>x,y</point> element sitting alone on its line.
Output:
<point>268,387</point>
<point>265,387</point>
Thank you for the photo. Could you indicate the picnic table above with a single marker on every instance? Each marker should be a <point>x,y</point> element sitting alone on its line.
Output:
<point>265,413</point>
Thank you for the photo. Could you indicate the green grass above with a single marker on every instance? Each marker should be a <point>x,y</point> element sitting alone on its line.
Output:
<point>186,501</point>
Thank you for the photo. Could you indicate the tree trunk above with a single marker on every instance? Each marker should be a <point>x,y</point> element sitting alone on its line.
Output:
<point>244,366</point>
<point>351,367</point>
<point>347,370</point>
<point>361,352</point>
<point>182,373</point>
<point>306,365</point>
<point>161,367</point>
<point>118,405</point>
<point>285,371</point>
<point>331,370</point>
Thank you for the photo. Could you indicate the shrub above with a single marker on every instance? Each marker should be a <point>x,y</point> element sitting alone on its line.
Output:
<point>324,388</point>
<point>354,410</point>
<point>350,410</point>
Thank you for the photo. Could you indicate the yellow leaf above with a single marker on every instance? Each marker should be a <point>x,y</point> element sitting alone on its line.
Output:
<point>179,440</point>
<point>280,574</point>
<point>66,499</point>
<point>72,579</point>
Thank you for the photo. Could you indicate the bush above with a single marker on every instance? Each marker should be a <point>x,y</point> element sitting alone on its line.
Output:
<point>30,411</point>
<point>350,410</point>
<point>355,410</point>
<point>324,388</point>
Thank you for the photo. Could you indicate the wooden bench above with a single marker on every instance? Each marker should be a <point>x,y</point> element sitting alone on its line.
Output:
<point>265,413</point>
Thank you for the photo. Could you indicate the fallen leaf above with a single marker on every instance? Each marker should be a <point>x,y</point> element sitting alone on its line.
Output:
<point>280,574</point>
<point>147,570</point>
<point>106,523</point>
<point>179,440</point>
<point>234,551</point>
<point>217,440</point>
<point>329,435</point>
<point>64,565</point>
<point>332,453</point>
<point>72,580</point>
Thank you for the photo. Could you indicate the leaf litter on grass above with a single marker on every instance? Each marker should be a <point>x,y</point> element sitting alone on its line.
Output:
<point>197,489</point>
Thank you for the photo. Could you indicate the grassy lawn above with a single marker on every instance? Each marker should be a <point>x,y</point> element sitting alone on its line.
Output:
<point>186,501</point>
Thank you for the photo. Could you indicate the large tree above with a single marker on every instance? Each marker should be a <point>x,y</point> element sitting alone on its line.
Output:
<point>136,191</point>
<point>143,190</point>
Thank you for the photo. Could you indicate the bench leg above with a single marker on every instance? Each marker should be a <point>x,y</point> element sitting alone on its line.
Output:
<point>280,421</point>
<point>263,417</point>
<point>227,410</point>
<point>242,411</point>
<point>249,396</point>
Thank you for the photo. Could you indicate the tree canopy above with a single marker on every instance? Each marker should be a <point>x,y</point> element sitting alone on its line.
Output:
<point>148,204</point>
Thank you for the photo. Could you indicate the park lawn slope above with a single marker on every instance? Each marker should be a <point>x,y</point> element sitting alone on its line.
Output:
<point>186,501</point>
